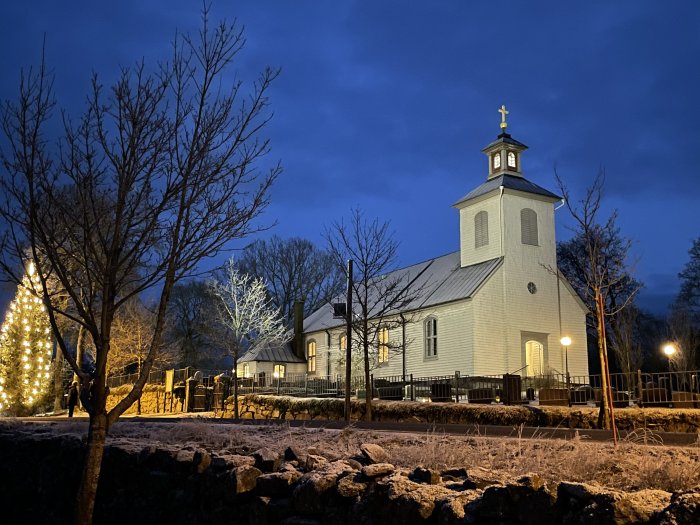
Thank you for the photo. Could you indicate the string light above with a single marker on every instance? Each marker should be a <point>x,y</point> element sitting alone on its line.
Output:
<point>25,349</point>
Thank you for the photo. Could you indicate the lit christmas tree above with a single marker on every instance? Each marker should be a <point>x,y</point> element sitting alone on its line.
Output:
<point>25,351</point>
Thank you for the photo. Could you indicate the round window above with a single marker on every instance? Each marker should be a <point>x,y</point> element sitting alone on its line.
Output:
<point>531,287</point>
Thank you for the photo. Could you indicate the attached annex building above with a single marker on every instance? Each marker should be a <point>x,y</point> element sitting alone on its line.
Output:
<point>497,306</point>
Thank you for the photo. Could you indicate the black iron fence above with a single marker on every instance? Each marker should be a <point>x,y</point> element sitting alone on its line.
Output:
<point>657,389</point>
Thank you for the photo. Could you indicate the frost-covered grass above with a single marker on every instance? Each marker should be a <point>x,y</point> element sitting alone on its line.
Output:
<point>631,465</point>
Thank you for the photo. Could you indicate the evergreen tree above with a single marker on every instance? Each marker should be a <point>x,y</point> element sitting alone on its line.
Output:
<point>25,351</point>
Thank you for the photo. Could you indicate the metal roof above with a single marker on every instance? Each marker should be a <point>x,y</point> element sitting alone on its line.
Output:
<point>510,182</point>
<point>505,138</point>
<point>439,280</point>
<point>278,354</point>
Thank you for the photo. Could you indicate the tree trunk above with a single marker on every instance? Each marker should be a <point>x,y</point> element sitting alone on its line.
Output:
<point>97,435</point>
<point>79,352</point>
<point>368,385</point>
<point>58,381</point>
<point>603,416</point>
<point>235,386</point>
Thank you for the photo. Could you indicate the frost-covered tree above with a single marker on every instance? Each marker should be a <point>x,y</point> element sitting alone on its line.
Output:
<point>246,316</point>
<point>25,350</point>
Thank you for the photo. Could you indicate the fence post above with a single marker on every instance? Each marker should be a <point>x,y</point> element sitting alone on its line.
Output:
<point>370,392</point>
<point>456,386</point>
<point>413,390</point>
<point>306,384</point>
<point>279,384</point>
<point>640,388</point>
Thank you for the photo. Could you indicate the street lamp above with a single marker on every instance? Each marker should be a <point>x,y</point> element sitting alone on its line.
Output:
<point>669,350</point>
<point>566,343</point>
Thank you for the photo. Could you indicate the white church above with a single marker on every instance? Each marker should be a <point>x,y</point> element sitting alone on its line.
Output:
<point>498,305</point>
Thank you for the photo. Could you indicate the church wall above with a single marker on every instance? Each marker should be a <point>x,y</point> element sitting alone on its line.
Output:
<point>536,315</point>
<point>574,325</point>
<point>489,328</point>
<point>469,254</point>
<point>454,341</point>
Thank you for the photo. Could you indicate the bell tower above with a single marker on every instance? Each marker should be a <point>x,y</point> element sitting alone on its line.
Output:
<point>504,152</point>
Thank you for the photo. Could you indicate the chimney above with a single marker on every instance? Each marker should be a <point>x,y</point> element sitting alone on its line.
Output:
<point>298,343</point>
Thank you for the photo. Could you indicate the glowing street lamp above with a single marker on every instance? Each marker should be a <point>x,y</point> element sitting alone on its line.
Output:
<point>669,350</point>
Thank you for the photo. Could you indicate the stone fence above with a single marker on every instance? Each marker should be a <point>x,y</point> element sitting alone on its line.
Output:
<point>146,483</point>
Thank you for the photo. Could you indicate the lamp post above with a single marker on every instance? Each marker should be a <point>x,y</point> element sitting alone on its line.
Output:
<point>669,349</point>
<point>566,343</point>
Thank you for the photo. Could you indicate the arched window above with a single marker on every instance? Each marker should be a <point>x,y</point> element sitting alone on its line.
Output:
<point>481,229</point>
<point>311,357</point>
<point>512,163</point>
<point>430,330</point>
<point>246,370</point>
<point>383,356</point>
<point>528,226</point>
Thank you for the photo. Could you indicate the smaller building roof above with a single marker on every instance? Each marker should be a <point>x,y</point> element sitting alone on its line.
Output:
<point>510,182</point>
<point>272,353</point>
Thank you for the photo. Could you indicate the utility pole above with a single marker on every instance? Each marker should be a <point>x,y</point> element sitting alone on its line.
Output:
<point>348,343</point>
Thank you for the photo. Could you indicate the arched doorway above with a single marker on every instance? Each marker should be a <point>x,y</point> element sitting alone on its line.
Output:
<point>534,358</point>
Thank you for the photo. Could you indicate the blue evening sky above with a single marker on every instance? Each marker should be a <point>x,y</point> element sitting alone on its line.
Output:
<point>386,105</point>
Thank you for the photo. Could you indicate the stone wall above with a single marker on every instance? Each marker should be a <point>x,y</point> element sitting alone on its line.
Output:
<point>283,407</point>
<point>143,483</point>
<point>152,400</point>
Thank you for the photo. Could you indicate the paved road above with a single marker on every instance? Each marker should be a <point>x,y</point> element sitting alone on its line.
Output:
<point>649,438</point>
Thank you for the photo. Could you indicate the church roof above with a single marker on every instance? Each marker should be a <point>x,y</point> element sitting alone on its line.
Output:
<point>510,182</point>
<point>505,138</point>
<point>273,353</point>
<point>440,280</point>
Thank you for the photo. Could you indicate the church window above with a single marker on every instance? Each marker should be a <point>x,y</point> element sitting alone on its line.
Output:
<point>528,227</point>
<point>481,229</point>
<point>383,356</point>
<point>311,357</point>
<point>246,370</point>
<point>278,371</point>
<point>497,161</point>
<point>511,160</point>
<point>430,329</point>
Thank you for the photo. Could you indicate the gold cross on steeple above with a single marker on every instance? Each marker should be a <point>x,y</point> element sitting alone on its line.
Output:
<point>503,113</point>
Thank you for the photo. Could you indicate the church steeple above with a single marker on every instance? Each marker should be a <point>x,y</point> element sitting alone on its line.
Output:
<point>504,152</point>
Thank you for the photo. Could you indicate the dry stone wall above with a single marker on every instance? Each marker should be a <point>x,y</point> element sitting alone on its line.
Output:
<point>153,400</point>
<point>157,484</point>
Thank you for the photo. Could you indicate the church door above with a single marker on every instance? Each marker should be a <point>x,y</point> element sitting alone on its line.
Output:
<point>534,358</point>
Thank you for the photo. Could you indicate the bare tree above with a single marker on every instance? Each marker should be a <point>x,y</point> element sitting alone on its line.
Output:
<point>683,325</point>
<point>625,341</point>
<point>189,331</point>
<point>158,173</point>
<point>378,294</point>
<point>600,268</point>
<point>249,319</point>
<point>294,270</point>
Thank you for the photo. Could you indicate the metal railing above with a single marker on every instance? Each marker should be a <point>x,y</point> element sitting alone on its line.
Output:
<point>651,389</point>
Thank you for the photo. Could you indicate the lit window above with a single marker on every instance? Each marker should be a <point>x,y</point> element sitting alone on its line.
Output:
<point>511,160</point>
<point>528,227</point>
<point>278,372</point>
<point>311,357</point>
<point>383,346</point>
<point>343,343</point>
<point>430,328</point>
<point>246,370</point>
<point>481,229</point>
<point>496,161</point>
